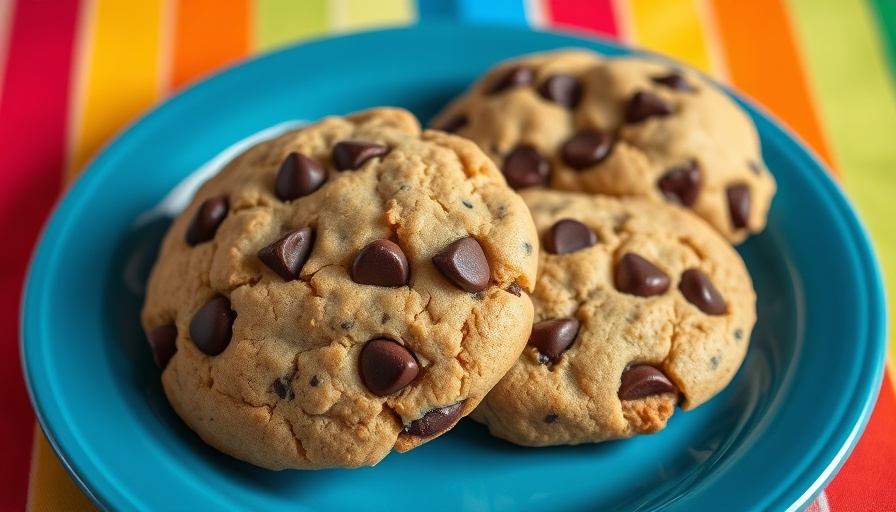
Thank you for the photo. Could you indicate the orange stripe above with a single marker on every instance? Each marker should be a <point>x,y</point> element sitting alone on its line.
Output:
<point>764,62</point>
<point>208,35</point>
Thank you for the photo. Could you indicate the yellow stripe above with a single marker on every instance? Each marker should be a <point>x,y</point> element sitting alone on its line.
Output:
<point>280,22</point>
<point>51,488</point>
<point>672,27</point>
<point>855,93</point>
<point>365,14</point>
<point>119,72</point>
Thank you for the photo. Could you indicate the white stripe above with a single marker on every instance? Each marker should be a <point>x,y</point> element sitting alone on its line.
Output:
<point>536,13</point>
<point>625,25</point>
<point>707,18</point>
<point>822,502</point>
<point>77,93</point>
<point>336,10</point>
<point>6,14</point>
<point>165,58</point>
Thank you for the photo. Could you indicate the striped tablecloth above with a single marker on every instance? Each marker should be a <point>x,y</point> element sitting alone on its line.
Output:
<point>74,72</point>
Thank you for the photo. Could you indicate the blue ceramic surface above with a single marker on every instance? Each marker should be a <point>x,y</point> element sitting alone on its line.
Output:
<point>770,441</point>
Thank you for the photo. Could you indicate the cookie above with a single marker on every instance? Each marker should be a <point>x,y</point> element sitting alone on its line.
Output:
<point>639,307</point>
<point>625,126</point>
<point>342,290</point>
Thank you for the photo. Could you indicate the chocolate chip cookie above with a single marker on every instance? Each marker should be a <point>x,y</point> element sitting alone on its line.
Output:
<point>639,307</point>
<point>341,290</point>
<point>624,126</point>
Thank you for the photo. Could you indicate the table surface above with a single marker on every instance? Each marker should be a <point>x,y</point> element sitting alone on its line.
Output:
<point>74,72</point>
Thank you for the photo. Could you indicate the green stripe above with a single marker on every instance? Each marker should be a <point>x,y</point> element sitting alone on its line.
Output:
<point>280,22</point>
<point>886,18</point>
<point>848,68</point>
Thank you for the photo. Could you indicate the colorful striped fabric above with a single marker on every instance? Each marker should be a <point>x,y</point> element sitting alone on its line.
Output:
<point>73,73</point>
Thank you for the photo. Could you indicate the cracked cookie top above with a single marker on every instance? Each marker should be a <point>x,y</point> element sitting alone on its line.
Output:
<point>344,289</point>
<point>639,307</point>
<point>623,126</point>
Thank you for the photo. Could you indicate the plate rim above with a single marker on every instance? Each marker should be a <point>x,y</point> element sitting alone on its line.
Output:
<point>877,324</point>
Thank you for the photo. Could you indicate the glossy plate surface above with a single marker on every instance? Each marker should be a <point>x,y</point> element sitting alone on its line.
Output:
<point>769,441</point>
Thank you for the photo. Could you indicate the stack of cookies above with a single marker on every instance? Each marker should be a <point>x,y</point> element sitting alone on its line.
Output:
<point>560,268</point>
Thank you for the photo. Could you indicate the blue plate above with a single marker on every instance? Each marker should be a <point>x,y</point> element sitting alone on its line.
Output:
<point>770,441</point>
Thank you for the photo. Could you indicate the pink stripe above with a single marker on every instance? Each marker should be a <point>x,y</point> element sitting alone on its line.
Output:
<point>32,128</point>
<point>595,16</point>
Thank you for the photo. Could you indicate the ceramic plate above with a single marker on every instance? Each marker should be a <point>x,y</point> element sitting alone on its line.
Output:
<point>771,440</point>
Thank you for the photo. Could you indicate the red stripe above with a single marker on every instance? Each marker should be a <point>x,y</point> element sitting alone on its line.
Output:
<point>865,481</point>
<point>32,128</point>
<point>595,16</point>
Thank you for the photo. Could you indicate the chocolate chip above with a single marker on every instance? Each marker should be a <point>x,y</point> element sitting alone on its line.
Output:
<point>212,326</point>
<point>162,342</point>
<point>551,418</point>
<point>287,255</point>
<point>455,123</point>
<point>646,104</point>
<point>514,288</point>
<point>739,205</point>
<point>386,366</point>
<point>528,248</point>
<point>561,89</point>
<point>283,389</point>
<point>208,217</point>
<point>586,148</point>
<point>699,291</point>
<point>681,183</point>
<point>435,421</point>
<point>350,155</point>
<point>568,236</point>
<point>674,81</point>
<point>754,166</point>
<point>298,176</point>
<point>714,362</point>
<point>467,204</point>
<point>642,381</point>
<point>525,167</point>
<point>637,276</point>
<point>738,334</point>
<point>381,263</point>
<point>514,78</point>
<point>314,381</point>
<point>554,336</point>
<point>348,324</point>
<point>464,263</point>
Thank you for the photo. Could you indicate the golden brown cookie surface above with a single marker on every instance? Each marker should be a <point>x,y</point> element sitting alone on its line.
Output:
<point>341,291</point>
<point>639,307</point>
<point>573,120</point>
